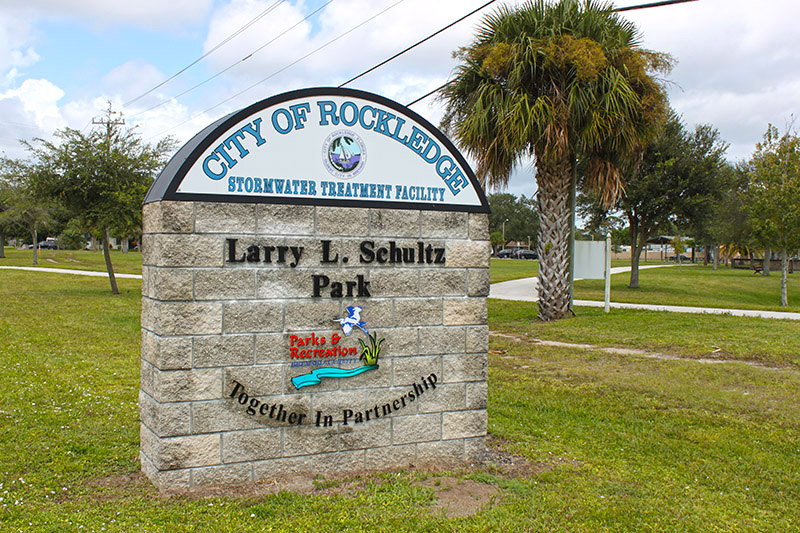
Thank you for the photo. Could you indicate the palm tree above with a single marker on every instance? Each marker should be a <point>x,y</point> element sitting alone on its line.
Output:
<point>557,82</point>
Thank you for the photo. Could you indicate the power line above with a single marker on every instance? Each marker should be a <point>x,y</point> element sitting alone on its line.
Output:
<point>652,4</point>
<point>283,68</point>
<point>431,36</point>
<point>215,48</point>
<point>616,9</point>
<point>229,67</point>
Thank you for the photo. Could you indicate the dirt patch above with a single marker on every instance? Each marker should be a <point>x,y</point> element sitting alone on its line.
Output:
<point>456,498</point>
<point>714,356</point>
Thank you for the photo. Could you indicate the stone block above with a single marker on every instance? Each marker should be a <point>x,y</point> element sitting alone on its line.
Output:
<point>181,385</point>
<point>280,283</point>
<point>271,348</point>
<point>443,398</point>
<point>478,339</point>
<point>390,457</point>
<point>226,284</point>
<point>222,475</point>
<point>467,254</point>
<point>252,445</point>
<point>444,224</point>
<point>395,282</point>
<point>270,411</point>
<point>394,223</point>
<point>309,314</point>
<point>219,415</point>
<point>168,217</point>
<point>442,340</point>
<point>380,377</point>
<point>261,380</point>
<point>418,312</point>
<point>478,282</point>
<point>395,399</point>
<point>475,450</point>
<point>477,395</point>
<point>441,454</point>
<point>223,350</point>
<point>398,342</point>
<point>334,403</point>
<point>366,434</point>
<point>470,367</point>
<point>165,419</point>
<point>285,219</point>
<point>342,221</point>
<point>168,283</point>
<point>182,250</point>
<point>219,217</point>
<point>449,282</point>
<point>167,480</point>
<point>478,226</point>
<point>460,424</point>
<point>276,469</point>
<point>416,428</point>
<point>181,318</point>
<point>167,353</point>
<point>173,453</point>
<point>464,311</point>
<point>253,317</point>
<point>408,370</point>
<point>340,462</point>
<point>308,440</point>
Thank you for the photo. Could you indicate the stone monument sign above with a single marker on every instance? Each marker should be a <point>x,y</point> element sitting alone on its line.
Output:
<point>316,269</point>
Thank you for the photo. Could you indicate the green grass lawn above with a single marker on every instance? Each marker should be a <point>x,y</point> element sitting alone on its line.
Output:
<point>697,286</point>
<point>615,443</point>
<point>130,263</point>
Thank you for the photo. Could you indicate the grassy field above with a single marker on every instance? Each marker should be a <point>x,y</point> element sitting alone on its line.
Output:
<point>614,443</point>
<point>130,263</point>
<point>697,286</point>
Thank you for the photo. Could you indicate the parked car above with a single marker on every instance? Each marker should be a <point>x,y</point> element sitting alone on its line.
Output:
<point>526,254</point>
<point>48,244</point>
<point>505,253</point>
<point>684,259</point>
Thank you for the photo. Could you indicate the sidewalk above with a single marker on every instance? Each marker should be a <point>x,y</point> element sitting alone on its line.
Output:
<point>68,271</point>
<point>526,290</point>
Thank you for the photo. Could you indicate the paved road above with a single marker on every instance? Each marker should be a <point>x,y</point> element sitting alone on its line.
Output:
<point>526,290</point>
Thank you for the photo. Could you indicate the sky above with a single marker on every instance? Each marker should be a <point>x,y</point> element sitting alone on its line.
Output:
<point>61,62</point>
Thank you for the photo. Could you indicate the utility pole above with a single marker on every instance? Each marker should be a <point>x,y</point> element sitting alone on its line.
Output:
<point>110,123</point>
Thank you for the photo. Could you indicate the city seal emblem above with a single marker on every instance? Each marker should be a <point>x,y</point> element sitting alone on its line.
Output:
<point>344,154</point>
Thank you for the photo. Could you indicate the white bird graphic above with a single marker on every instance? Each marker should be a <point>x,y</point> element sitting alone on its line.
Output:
<point>353,319</point>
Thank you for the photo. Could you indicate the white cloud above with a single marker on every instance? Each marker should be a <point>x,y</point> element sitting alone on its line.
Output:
<point>143,13</point>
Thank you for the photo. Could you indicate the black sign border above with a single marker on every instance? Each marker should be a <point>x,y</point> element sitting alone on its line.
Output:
<point>166,184</point>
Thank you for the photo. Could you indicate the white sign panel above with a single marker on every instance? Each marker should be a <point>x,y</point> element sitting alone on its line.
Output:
<point>323,147</point>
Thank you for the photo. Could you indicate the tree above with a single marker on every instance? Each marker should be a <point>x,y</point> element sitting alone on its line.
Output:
<point>774,196</point>
<point>559,82</point>
<point>101,177</point>
<point>23,206</point>
<point>706,185</point>
<point>729,225</point>
<point>520,214</point>
<point>674,184</point>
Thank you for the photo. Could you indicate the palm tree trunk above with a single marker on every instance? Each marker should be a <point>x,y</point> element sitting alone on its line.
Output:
<point>553,179</point>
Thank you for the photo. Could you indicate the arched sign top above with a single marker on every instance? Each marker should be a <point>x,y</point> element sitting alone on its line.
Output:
<point>323,146</point>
